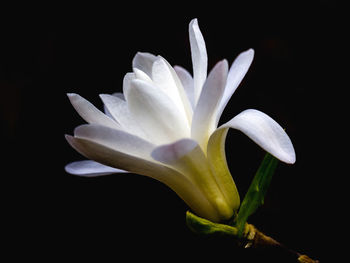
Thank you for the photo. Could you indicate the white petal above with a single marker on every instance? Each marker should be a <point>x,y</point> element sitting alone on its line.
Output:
<point>118,109</point>
<point>144,62</point>
<point>187,83</point>
<point>106,111</point>
<point>139,74</point>
<point>127,81</point>
<point>119,95</point>
<point>173,179</point>
<point>171,153</point>
<point>264,131</point>
<point>165,77</point>
<point>188,158</point>
<point>115,139</point>
<point>88,168</point>
<point>156,114</point>
<point>237,72</point>
<point>90,113</point>
<point>199,57</point>
<point>203,123</point>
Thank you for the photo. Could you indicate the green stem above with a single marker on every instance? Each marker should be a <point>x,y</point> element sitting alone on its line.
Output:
<point>251,238</point>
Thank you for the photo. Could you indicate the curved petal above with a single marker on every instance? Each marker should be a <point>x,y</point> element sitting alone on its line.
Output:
<point>187,157</point>
<point>88,168</point>
<point>165,77</point>
<point>237,72</point>
<point>203,122</point>
<point>127,81</point>
<point>156,113</point>
<point>217,160</point>
<point>265,132</point>
<point>106,111</point>
<point>118,109</point>
<point>144,62</point>
<point>199,57</point>
<point>90,113</point>
<point>187,82</point>
<point>139,74</point>
<point>173,179</point>
<point>115,139</point>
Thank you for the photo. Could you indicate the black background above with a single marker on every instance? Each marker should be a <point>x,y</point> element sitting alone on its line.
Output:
<point>48,51</point>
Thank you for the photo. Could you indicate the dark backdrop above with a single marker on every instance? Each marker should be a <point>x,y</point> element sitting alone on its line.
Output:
<point>48,51</point>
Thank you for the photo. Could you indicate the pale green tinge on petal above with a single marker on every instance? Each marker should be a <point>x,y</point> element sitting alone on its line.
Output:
<point>218,164</point>
<point>90,113</point>
<point>203,122</point>
<point>88,168</point>
<point>187,157</point>
<point>183,187</point>
<point>156,113</point>
<point>199,57</point>
<point>265,132</point>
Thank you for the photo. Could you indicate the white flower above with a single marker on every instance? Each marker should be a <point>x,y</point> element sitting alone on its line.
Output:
<point>165,127</point>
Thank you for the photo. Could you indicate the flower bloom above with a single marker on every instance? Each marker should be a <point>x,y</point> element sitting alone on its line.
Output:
<point>164,126</point>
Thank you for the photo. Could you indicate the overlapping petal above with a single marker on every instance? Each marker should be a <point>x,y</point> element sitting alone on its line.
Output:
<point>144,61</point>
<point>88,168</point>
<point>90,113</point>
<point>204,116</point>
<point>237,72</point>
<point>115,139</point>
<point>187,157</point>
<point>119,110</point>
<point>187,82</point>
<point>173,179</point>
<point>218,164</point>
<point>156,113</point>
<point>165,78</point>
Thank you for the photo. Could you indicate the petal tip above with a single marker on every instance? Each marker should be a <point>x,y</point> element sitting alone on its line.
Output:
<point>72,95</point>
<point>250,51</point>
<point>194,21</point>
<point>291,159</point>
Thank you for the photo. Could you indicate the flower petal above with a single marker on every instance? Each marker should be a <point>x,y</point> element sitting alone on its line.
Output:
<point>115,139</point>
<point>237,72</point>
<point>165,77</point>
<point>173,179</point>
<point>127,81</point>
<point>199,57</point>
<point>265,132</point>
<point>203,122</point>
<point>156,113</point>
<point>187,157</point>
<point>144,62</point>
<point>217,160</point>
<point>88,168</point>
<point>139,74</point>
<point>187,82</point>
<point>105,109</point>
<point>90,113</point>
<point>118,109</point>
